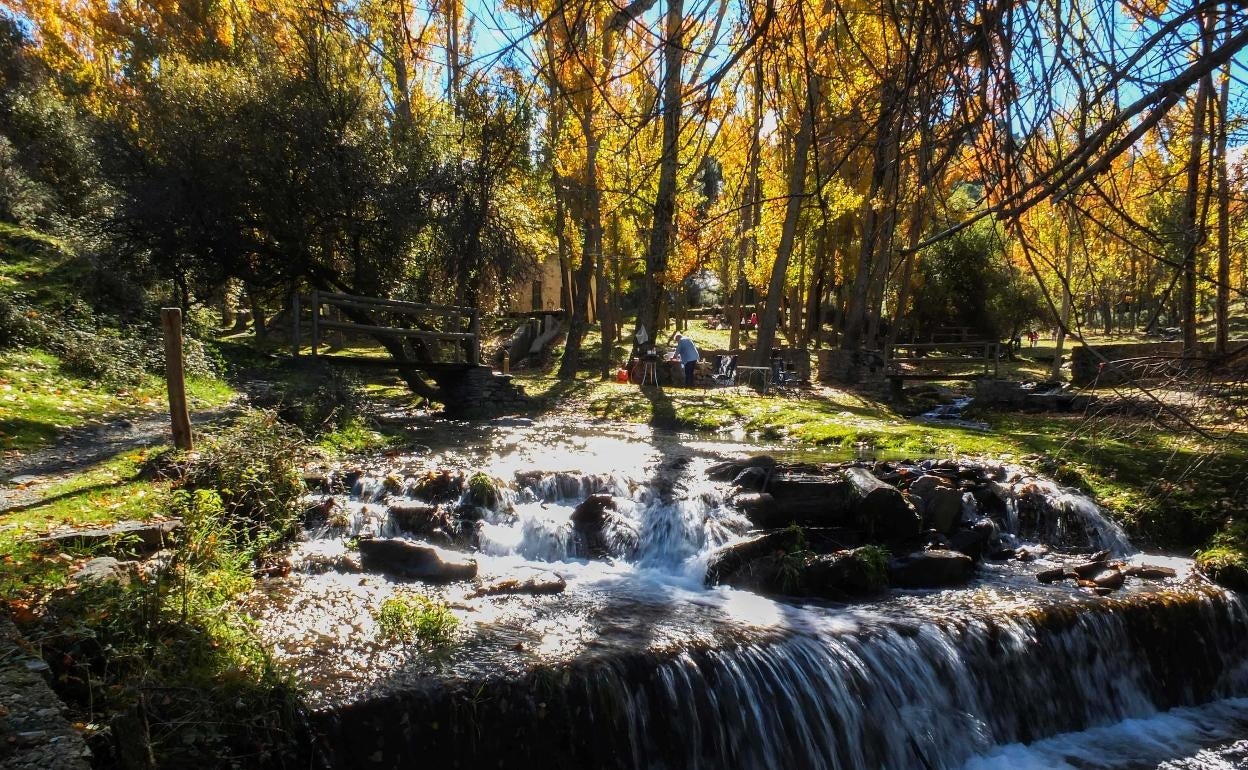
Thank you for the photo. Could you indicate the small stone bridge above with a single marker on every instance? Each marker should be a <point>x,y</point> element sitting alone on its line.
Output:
<point>442,342</point>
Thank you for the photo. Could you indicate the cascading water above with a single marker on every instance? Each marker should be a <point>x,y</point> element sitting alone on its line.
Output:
<point>637,665</point>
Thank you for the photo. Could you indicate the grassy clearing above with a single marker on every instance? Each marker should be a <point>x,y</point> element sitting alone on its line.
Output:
<point>39,399</point>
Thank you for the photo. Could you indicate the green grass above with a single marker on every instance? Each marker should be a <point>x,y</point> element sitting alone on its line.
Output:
<point>39,399</point>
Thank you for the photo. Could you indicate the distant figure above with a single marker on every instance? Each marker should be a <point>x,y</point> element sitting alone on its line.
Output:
<point>689,355</point>
<point>754,320</point>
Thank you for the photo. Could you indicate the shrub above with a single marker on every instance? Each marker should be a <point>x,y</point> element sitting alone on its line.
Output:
<point>321,403</point>
<point>413,619</point>
<point>253,465</point>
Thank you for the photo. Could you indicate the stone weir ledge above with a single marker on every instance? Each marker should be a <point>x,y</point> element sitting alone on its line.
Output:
<point>927,686</point>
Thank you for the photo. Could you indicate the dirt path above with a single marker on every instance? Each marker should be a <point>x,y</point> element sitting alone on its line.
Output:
<point>25,477</point>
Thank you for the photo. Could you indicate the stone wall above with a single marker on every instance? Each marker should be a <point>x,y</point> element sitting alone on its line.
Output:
<point>851,367</point>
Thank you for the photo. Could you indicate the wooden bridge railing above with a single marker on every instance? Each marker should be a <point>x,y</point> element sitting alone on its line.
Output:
<point>322,299</point>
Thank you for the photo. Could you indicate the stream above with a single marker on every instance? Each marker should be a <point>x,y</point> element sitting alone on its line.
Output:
<point>637,664</point>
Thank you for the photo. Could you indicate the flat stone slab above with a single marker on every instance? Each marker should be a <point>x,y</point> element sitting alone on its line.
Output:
<point>123,537</point>
<point>34,733</point>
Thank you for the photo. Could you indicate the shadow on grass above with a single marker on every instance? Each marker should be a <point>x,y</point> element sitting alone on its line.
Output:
<point>45,501</point>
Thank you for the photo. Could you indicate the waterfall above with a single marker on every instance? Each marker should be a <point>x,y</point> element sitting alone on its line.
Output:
<point>896,693</point>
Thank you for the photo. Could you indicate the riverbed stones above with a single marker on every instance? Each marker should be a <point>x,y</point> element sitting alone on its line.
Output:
<point>930,569</point>
<point>942,508</point>
<point>407,559</point>
<point>730,469</point>
<point>858,572</point>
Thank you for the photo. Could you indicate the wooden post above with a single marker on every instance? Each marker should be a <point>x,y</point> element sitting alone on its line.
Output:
<point>316,320</point>
<point>294,324</point>
<point>171,323</point>
<point>474,328</point>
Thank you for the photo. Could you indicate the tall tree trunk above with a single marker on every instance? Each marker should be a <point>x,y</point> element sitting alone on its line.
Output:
<point>662,226</point>
<point>1193,234</point>
<point>1063,321</point>
<point>885,157</point>
<point>1223,305</point>
<point>907,270</point>
<point>590,253</point>
<point>792,211</point>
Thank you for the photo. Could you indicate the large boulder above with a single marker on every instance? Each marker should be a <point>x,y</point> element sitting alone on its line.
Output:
<point>598,532</point>
<point>880,509</point>
<point>406,559</point>
<point>942,508</point>
<point>930,569</point>
<point>414,516</point>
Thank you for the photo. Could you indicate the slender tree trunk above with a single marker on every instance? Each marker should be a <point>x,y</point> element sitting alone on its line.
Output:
<point>858,301</point>
<point>1064,318</point>
<point>662,226</point>
<point>1223,308</point>
<point>1193,234</point>
<point>792,211</point>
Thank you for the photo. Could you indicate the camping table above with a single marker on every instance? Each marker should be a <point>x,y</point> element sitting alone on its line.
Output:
<point>762,373</point>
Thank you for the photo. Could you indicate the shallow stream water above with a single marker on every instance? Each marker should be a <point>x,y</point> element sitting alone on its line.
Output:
<point>1005,672</point>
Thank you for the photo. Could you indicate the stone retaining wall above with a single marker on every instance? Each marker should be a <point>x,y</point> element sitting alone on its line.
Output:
<point>478,391</point>
<point>1127,361</point>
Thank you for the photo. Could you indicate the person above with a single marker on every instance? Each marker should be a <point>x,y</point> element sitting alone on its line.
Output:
<point>688,354</point>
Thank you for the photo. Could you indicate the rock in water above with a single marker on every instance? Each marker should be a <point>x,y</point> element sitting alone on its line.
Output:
<point>728,561</point>
<point>403,558</point>
<point>942,507</point>
<point>1110,578</point>
<point>844,573</point>
<point>591,511</point>
<point>414,516</point>
<point>822,501</point>
<point>1051,575</point>
<point>1151,572</point>
<point>534,582</point>
<point>930,569</point>
<point>880,508</point>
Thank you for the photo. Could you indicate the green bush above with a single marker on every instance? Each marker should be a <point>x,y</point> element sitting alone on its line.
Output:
<point>253,465</point>
<point>91,348</point>
<point>413,619</point>
<point>321,403</point>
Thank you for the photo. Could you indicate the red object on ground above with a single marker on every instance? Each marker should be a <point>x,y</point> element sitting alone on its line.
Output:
<point>621,375</point>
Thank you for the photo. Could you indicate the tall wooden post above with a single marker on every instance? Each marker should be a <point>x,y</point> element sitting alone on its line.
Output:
<point>171,324</point>
<point>316,321</point>
<point>294,324</point>
<point>474,327</point>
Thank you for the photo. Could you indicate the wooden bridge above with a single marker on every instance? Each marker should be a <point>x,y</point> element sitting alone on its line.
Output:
<point>429,324</point>
<point>463,384</point>
<point>938,358</point>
